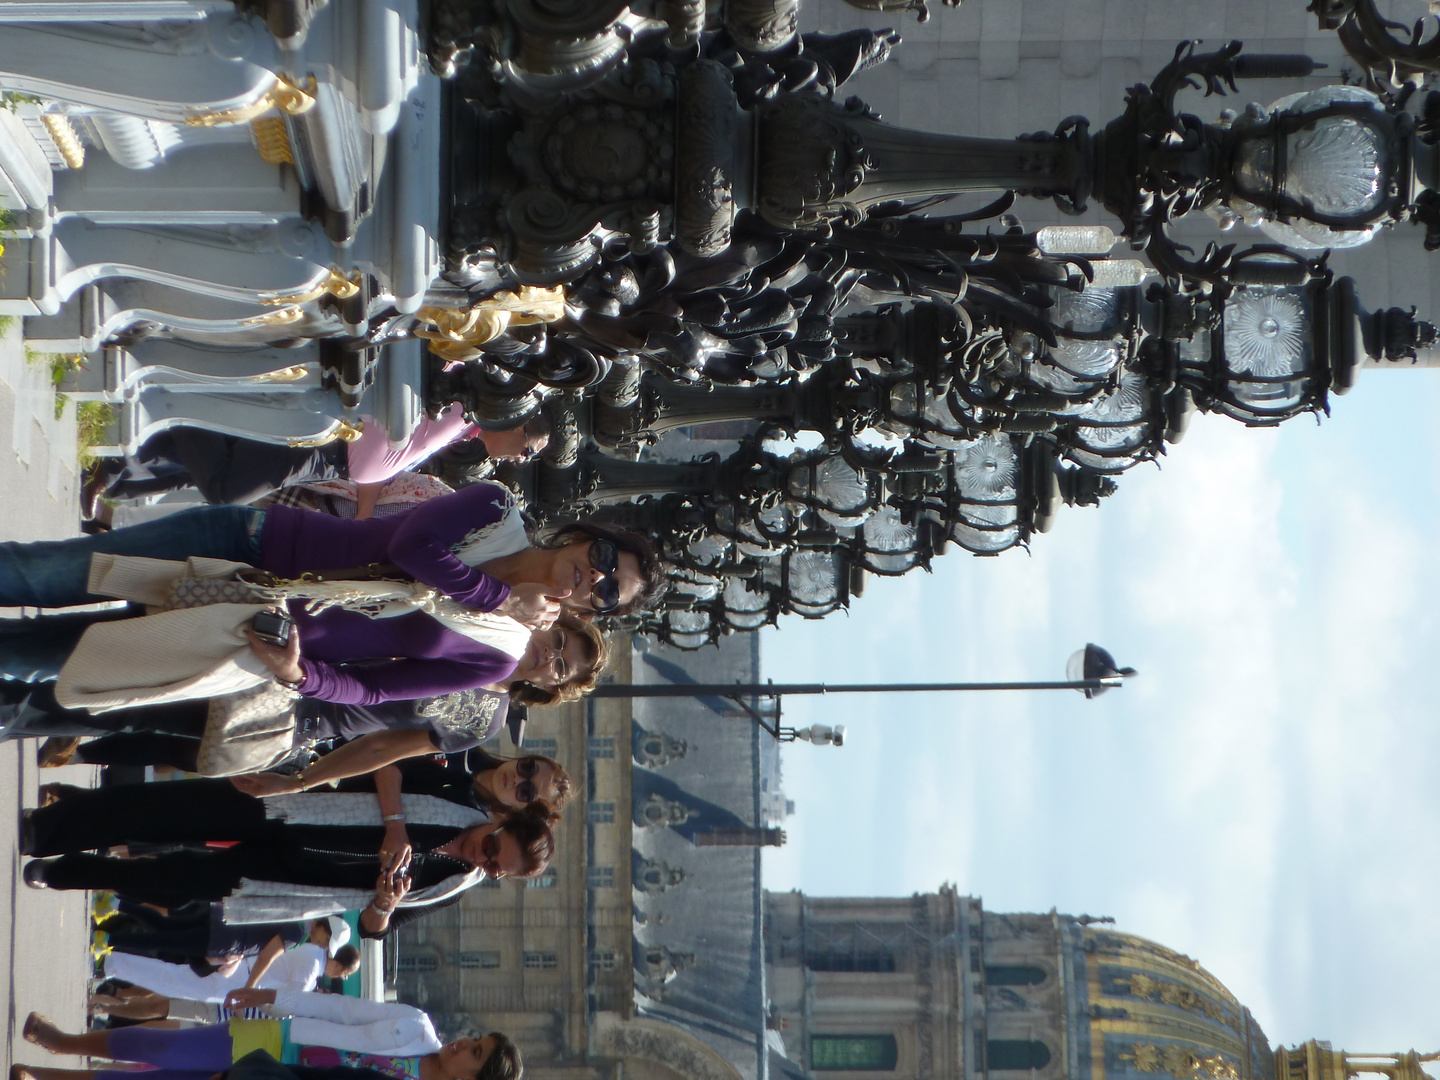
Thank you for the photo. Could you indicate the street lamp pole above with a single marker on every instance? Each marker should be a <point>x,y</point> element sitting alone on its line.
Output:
<point>1092,671</point>
<point>774,689</point>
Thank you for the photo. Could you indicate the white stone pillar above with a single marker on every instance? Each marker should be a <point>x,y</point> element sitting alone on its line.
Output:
<point>67,11</point>
<point>207,72</point>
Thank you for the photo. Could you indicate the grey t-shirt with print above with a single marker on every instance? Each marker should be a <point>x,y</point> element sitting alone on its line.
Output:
<point>456,722</point>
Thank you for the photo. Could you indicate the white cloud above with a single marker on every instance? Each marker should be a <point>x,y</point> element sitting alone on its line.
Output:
<point>1260,797</point>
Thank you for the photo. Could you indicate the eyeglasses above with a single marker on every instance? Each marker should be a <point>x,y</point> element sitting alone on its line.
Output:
<point>526,791</point>
<point>558,665</point>
<point>605,593</point>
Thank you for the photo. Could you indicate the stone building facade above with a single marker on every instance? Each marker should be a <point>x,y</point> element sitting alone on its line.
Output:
<point>934,987</point>
<point>638,953</point>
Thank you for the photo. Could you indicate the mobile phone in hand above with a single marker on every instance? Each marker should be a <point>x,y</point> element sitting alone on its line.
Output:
<point>274,627</point>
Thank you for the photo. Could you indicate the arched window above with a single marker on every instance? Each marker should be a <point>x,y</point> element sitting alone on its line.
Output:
<point>1019,1055</point>
<point>1013,975</point>
<point>852,1053</point>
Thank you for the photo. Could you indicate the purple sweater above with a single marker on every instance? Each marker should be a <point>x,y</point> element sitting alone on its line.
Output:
<point>421,657</point>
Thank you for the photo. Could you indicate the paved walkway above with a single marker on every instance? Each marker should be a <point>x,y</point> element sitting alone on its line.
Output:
<point>44,961</point>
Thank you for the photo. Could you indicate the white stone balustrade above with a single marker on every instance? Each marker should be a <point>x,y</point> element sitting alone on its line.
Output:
<point>184,191</point>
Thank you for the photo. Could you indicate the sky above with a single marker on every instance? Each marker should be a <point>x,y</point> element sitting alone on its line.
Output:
<point>1262,796</point>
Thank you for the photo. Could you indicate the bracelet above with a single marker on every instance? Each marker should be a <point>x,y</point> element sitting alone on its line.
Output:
<point>387,818</point>
<point>288,684</point>
<point>381,910</point>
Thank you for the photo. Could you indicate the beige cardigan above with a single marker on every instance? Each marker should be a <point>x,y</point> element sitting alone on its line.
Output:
<point>202,652</point>
<point>178,655</point>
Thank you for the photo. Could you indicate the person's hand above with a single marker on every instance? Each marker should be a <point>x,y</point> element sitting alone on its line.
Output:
<point>248,997</point>
<point>395,847</point>
<point>262,784</point>
<point>535,606</point>
<point>367,497</point>
<point>390,889</point>
<point>284,663</point>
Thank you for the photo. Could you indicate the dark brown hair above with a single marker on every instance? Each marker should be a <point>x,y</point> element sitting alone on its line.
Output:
<point>531,831</point>
<point>547,810</point>
<point>348,957</point>
<point>504,1062</point>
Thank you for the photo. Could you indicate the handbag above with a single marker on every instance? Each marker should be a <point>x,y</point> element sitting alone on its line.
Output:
<point>192,592</point>
<point>249,731</point>
<point>252,730</point>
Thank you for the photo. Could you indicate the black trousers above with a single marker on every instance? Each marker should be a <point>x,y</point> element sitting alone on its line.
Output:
<point>181,942</point>
<point>30,710</point>
<point>227,469</point>
<point>178,812</point>
<point>34,650</point>
<point>168,879</point>
<point>196,811</point>
<point>141,748</point>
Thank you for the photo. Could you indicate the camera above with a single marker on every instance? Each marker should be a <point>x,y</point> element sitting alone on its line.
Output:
<point>273,626</point>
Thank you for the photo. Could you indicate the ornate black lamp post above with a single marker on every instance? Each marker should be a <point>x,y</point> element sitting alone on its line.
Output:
<point>735,244</point>
<point>1371,39</point>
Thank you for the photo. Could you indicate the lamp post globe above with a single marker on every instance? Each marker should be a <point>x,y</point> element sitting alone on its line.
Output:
<point>1092,664</point>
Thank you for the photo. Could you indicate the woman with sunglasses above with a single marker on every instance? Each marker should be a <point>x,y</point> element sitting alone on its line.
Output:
<point>531,784</point>
<point>560,664</point>
<point>292,856</point>
<point>471,546</point>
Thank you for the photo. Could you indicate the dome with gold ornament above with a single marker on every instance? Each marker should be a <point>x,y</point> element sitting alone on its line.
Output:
<point>1156,1014</point>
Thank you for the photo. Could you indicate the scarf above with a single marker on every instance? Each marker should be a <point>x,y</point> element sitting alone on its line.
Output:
<point>384,599</point>
<point>505,536</point>
<point>277,901</point>
<point>360,808</point>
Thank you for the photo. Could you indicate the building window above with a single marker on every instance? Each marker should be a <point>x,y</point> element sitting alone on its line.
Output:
<point>857,946</point>
<point>544,881</point>
<point>600,877</point>
<point>548,747</point>
<point>603,961</point>
<point>541,961</point>
<point>602,813</point>
<point>421,962</point>
<point>485,961</point>
<point>602,747</point>
<point>1014,975</point>
<point>1017,1055</point>
<point>852,1053</point>
<point>855,959</point>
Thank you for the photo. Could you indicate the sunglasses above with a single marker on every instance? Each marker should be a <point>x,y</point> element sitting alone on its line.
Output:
<point>526,791</point>
<point>490,856</point>
<point>605,593</point>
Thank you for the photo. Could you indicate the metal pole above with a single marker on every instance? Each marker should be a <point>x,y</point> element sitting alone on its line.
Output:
<point>646,690</point>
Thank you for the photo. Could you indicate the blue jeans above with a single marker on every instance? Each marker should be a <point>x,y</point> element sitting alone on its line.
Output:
<point>53,573</point>
<point>34,651</point>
